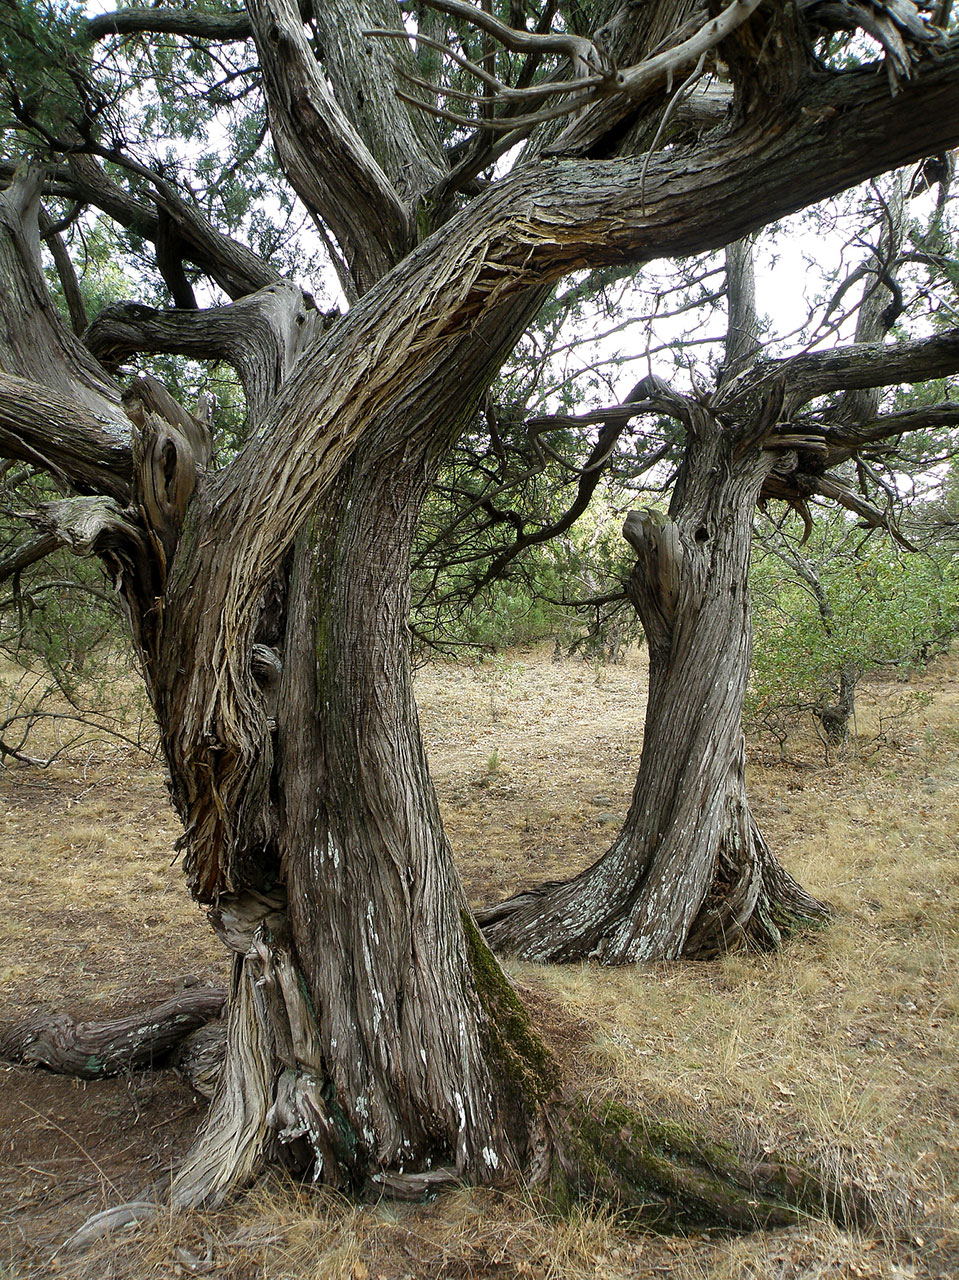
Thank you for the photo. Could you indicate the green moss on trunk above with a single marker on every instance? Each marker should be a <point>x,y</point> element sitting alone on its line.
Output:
<point>515,1052</point>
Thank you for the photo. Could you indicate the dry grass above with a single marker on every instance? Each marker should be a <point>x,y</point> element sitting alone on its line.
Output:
<point>843,1048</point>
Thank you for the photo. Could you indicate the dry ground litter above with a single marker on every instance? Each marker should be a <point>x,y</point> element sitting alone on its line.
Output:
<point>843,1048</point>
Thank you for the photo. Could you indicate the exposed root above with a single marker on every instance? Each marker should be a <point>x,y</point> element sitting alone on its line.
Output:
<point>231,1146</point>
<point>92,1050</point>
<point>665,1177</point>
<point>751,902</point>
<point>657,1175</point>
<point>199,1057</point>
<point>110,1220</point>
<point>270,1104</point>
<point>754,902</point>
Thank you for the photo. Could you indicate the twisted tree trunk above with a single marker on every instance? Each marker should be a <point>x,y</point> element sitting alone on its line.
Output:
<point>409,1005</point>
<point>690,873</point>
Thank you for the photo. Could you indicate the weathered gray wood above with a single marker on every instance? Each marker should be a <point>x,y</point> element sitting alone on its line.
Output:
<point>110,1220</point>
<point>328,162</point>
<point>58,435</point>
<point>199,1057</point>
<point>689,873</point>
<point>261,336</point>
<point>28,552</point>
<point>198,23</point>
<point>92,1050</point>
<point>35,343</point>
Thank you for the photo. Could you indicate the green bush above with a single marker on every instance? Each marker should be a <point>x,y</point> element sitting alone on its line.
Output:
<point>841,603</point>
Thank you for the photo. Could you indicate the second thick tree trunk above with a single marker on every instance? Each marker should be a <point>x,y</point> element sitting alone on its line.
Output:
<point>690,873</point>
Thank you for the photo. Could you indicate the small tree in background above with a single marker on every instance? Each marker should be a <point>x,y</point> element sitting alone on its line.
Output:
<point>835,607</point>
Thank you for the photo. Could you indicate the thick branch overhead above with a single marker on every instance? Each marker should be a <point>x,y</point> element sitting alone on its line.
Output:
<point>198,23</point>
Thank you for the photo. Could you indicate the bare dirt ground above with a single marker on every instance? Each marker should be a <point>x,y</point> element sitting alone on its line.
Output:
<point>842,1049</point>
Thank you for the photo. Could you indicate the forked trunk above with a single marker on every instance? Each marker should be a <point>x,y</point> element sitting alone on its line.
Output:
<point>689,873</point>
<point>372,1037</point>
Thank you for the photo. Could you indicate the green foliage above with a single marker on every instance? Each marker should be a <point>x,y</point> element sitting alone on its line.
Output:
<point>46,79</point>
<point>514,545</point>
<point>62,617</point>
<point>67,664</point>
<point>552,592</point>
<point>102,276</point>
<point>876,608</point>
<point>189,112</point>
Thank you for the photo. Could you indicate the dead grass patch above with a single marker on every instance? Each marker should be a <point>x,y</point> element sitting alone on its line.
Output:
<point>842,1048</point>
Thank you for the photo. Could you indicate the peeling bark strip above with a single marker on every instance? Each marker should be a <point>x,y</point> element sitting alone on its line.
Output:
<point>92,1050</point>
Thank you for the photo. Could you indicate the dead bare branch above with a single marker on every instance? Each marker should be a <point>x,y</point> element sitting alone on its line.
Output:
<point>830,487</point>
<point>577,49</point>
<point>594,76</point>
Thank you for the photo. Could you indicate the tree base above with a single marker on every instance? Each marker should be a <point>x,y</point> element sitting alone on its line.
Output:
<point>658,1175</point>
<point>751,903</point>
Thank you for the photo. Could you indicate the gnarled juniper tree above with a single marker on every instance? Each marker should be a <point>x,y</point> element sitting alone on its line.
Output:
<point>690,873</point>
<point>372,1038</point>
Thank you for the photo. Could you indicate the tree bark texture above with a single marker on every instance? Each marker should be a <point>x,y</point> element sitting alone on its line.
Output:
<point>373,1039</point>
<point>374,894</point>
<point>690,873</point>
<point>378,1050</point>
<point>35,344</point>
<point>92,1050</point>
